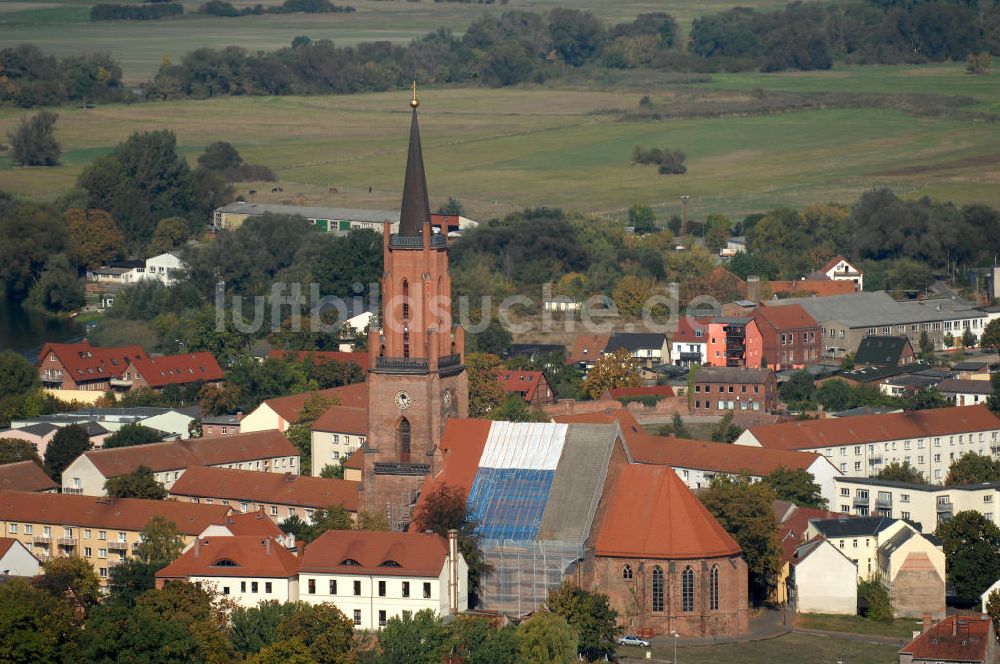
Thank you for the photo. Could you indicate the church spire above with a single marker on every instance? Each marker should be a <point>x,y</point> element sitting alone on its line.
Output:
<point>415,211</point>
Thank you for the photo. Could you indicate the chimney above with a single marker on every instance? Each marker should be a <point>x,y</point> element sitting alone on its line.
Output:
<point>928,620</point>
<point>452,571</point>
<point>954,626</point>
<point>753,288</point>
<point>239,415</point>
<point>197,547</point>
<point>267,545</point>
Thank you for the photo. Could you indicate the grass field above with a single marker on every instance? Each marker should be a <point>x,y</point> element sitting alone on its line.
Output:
<point>789,649</point>
<point>499,150</point>
<point>902,627</point>
<point>63,27</point>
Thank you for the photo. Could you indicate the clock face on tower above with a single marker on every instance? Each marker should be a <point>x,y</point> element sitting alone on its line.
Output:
<point>403,400</point>
<point>446,398</point>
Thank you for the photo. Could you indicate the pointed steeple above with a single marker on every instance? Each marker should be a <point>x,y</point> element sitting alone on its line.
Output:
<point>415,211</point>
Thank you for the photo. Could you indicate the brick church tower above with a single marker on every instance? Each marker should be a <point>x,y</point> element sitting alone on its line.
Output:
<point>417,377</point>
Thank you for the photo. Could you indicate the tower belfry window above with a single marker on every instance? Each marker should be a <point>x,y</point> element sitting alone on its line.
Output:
<point>406,299</point>
<point>406,342</point>
<point>404,440</point>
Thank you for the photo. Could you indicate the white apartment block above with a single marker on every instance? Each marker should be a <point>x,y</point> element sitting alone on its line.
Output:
<point>926,504</point>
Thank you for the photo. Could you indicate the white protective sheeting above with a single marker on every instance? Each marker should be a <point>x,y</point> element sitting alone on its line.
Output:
<point>526,445</point>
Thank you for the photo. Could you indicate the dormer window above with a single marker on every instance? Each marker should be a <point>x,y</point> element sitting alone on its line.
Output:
<point>224,562</point>
<point>390,563</point>
<point>350,562</point>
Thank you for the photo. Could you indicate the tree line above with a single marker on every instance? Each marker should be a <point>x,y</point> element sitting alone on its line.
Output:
<point>105,11</point>
<point>223,8</point>
<point>31,78</point>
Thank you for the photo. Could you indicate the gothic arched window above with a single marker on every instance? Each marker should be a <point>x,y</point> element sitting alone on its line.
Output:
<point>657,589</point>
<point>406,299</point>
<point>687,589</point>
<point>627,572</point>
<point>404,440</point>
<point>713,589</point>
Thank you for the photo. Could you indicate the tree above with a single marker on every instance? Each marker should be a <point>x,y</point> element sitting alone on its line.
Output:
<point>297,526</point>
<point>13,450</point>
<point>453,206</point>
<point>642,219</point>
<point>795,486</point>
<point>485,390</point>
<point>979,63</point>
<point>927,346</point>
<point>35,626</point>
<point>546,638</point>
<point>58,288</point>
<point>160,542</point>
<point>74,574</point>
<point>31,234</point>
<point>420,639</point>
<point>480,642</point>
<point>725,431</point>
<point>300,433</point>
<point>94,239</point>
<point>991,336</point>
<point>34,142</point>
<point>678,427</point>
<point>219,156</point>
<point>515,409</point>
<point>968,338</point>
<point>493,340</point>
<point>971,468</point>
<point>372,521</point>
<point>335,517</point>
<point>590,616</point>
<point>972,548</point>
<point>610,371</point>
<point>446,508</point>
<point>132,434</point>
<point>140,484</point>
<point>835,395</point>
<point>743,508</point>
<point>255,627</point>
<point>323,629</point>
<point>170,233</point>
<point>17,375</point>
<point>196,610</point>
<point>632,293</point>
<point>68,443</point>
<point>288,651</point>
<point>130,579</point>
<point>218,400</point>
<point>332,472</point>
<point>873,594</point>
<point>718,228</point>
<point>799,388</point>
<point>993,608</point>
<point>901,472</point>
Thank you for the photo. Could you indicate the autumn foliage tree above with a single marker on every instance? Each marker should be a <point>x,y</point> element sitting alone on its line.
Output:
<point>610,371</point>
<point>94,238</point>
<point>485,391</point>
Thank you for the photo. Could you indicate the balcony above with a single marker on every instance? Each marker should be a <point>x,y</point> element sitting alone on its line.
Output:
<point>121,382</point>
<point>944,507</point>
<point>73,490</point>
<point>861,502</point>
<point>884,502</point>
<point>401,365</point>
<point>384,468</point>
<point>874,461</point>
<point>118,546</point>
<point>67,542</point>
<point>43,539</point>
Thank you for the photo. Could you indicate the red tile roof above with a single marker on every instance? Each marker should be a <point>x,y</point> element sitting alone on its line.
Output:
<point>416,554</point>
<point>815,287</point>
<point>25,476</point>
<point>719,457</point>
<point>321,356</point>
<point>651,514</point>
<point>355,460</point>
<point>180,454</point>
<point>691,330</point>
<point>787,317</point>
<point>270,488</point>
<point>643,391</point>
<point>815,434</point>
<point>461,448</point>
<point>6,543</point>
<point>118,513</point>
<point>792,530</point>
<point>179,369</point>
<point>832,263</point>
<point>85,362</point>
<point>349,395</point>
<point>256,523</point>
<point>243,556</point>
<point>343,419</point>
<point>587,347</point>
<point>954,639</point>
<point>519,381</point>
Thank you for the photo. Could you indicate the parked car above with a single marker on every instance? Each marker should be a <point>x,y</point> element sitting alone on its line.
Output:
<point>632,640</point>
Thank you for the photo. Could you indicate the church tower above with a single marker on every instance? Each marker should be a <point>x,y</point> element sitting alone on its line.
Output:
<point>417,377</point>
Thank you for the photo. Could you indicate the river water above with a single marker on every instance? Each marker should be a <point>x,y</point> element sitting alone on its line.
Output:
<point>26,330</point>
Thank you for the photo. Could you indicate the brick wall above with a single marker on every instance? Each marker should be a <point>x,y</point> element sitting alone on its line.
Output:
<point>664,407</point>
<point>915,592</point>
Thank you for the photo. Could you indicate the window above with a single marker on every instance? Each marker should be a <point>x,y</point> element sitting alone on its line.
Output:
<point>427,590</point>
<point>253,586</point>
<point>103,572</point>
<point>357,617</point>
<point>687,590</point>
<point>713,588</point>
<point>657,588</point>
<point>843,467</point>
<point>905,515</point>
<point>267,587</point>
<point>357,588</point>
<point>406,588</point>
<point>333,587</point>
<point>381,588</point>
<point>404,440</point>
<point>274,510</point>
<point>381,618</point>
<point>857,465</point>
<point>988,498</point>
<point>904,498</point>
<point>627,572</point>
<point>28,529</point>
<point>855,544</point>
<point>312,586</point>
<point>243,586</point>
<point>845,492</point>
<point>102,553</point>
<point>12,527</point>
<point>88,552</point>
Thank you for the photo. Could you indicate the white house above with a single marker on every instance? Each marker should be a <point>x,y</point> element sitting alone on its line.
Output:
<point>375,576</point>
<point>336,434</point>
<point>985,597</point>
<point>165,268</point>
<point>838,269</point>
<point>926,504</point>
<point>965,392</point>
<point>267,451</point>
<point>16,560</point>
<point>245,569</point>
<point>825,579</point>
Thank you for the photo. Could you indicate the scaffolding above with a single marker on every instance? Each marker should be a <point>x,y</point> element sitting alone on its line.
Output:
<point>523,572</point>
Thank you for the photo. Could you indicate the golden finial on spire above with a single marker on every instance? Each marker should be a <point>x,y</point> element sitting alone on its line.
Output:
<point>414,102</point>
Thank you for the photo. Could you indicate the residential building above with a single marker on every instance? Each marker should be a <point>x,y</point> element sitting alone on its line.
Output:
<point>103,531</point>
<point>118,272</point>
<point>336,435</point>
<point>860,446</point>
<point>965,392</point>
<point>172,423</point>
<point>533,352</point>
<point>648,348</point>
<point>819,571</point>
<point>586,350</point>
<point>38,434</point>
<point>793,524</point>
<point>734,341</point>
<point>80,366</point>
<point>961,639</point>
<point>282,412</point>
<point>663,561</point>
<point>159,372</point>
<point>562,304</point>
<point>882,352</point>
<point>529,385</point>
<point>640,393</point>
<point>25,476</point>
<point>266,451</point>
<point>718,390</point>
<point>279,496</point>
<point>790,338</point>
<point>689,344</point>
<point>972,370</point>
<point>332,219</point>
<point>839,269</point>
<point>927,504</point>
<point>353,466</point>
<point>17,560</point>
<point>248,524</point>
<point>246,570</point>
<point>779,289</point>
<point>213,426</point>
<point>698,462</point>
<point>374,576</point>
<point>165,268</point>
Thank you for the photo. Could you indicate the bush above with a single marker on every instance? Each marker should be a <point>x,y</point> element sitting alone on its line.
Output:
<point>873,600</point>
<point>670,162</point>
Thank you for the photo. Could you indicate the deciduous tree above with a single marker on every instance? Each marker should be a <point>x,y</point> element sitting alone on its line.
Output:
<point>132,434</point>
<point>68,443</point>
<point>971,468</point>
<point>17,375</point>
<point>612,370</point>
<point>160,543</point>
<point>420,639</point>
<point>485,390</point>
<point>256,627</point>
<point>170,233</point>
<point>13,450</point>
<point>901,472</point>
<point>94,238</point>
<point>991,336</point>
<point>546,638</point>
<point>140,484</point>
<point>59,288</point>
<point>590,616</point>
<point>323,629</point>
<point>34,142</point>
<point>34,625</point>
<point>972,548</point>
<point>795,486</point>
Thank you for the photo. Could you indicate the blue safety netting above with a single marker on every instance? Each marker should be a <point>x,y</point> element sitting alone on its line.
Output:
<point>508,502</point>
